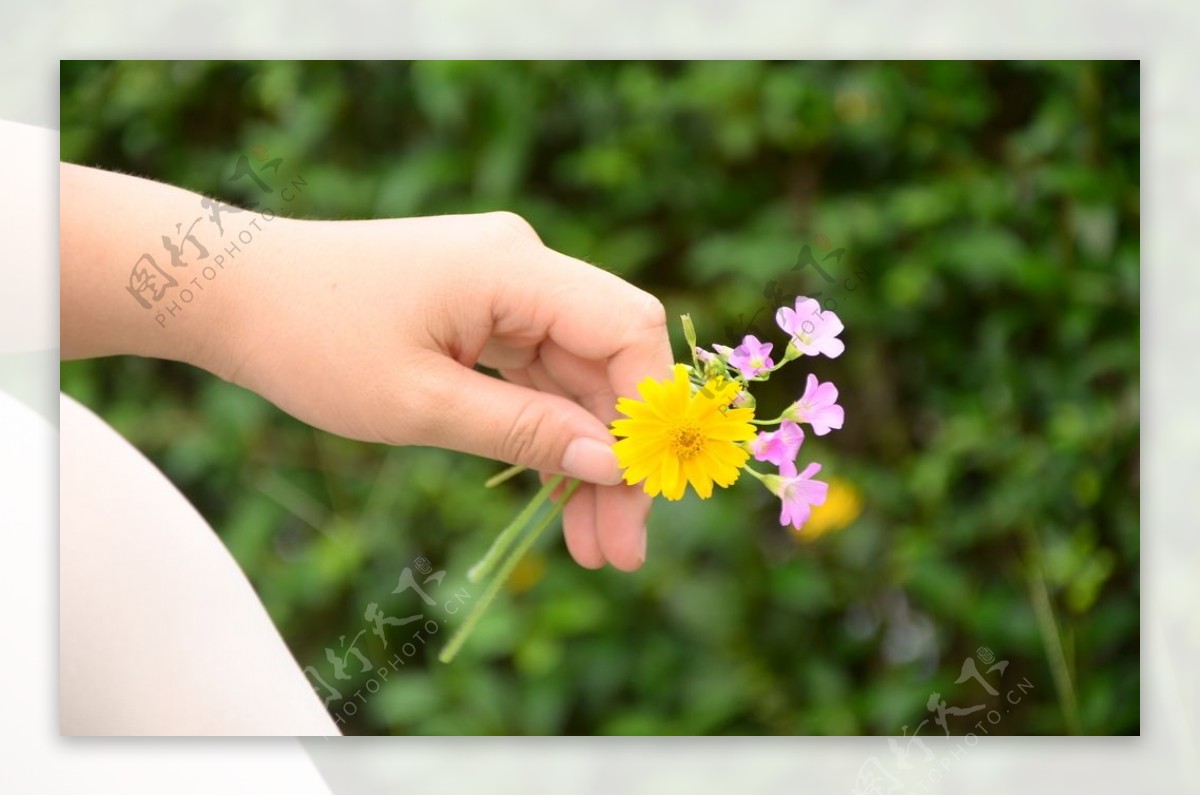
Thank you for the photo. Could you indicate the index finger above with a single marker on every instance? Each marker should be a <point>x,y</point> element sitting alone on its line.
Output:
<point>596,315</point>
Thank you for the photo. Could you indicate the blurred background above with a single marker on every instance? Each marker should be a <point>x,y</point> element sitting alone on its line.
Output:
<point>975,225</point>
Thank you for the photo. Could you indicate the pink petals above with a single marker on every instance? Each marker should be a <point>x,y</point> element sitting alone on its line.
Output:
<point>752,358</point>
<point>779,447</point>
<point>818,407</point>
<point>799,493</point>
<point>813,330</point>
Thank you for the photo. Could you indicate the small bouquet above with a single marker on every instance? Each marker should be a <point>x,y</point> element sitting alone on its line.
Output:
<point>698,427</point>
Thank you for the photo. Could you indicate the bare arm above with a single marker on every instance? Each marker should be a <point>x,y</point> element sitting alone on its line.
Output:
<point>372,329</point>
<point>111,224</point>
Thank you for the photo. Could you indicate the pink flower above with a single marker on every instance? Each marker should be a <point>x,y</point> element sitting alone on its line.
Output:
<point>752,357</point>
<point>704,356</point>
<point>799,493</point>
<point>813,331</point>
<point>779,447</point>
<point>818,407</point>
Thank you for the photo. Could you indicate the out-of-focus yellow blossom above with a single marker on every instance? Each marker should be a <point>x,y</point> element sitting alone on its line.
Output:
<point>842,505</point>
<point>527,573</point>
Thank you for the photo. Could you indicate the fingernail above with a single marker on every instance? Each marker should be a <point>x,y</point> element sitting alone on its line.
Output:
<point>591,460</point>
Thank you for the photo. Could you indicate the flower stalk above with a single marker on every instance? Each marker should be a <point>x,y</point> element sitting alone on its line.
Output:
<point>515,552</point>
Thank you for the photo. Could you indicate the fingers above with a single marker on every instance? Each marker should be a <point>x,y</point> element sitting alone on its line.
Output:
<point>604,337</point>
<point>468,411</point>
<point>586,380</point>
<point>579,515</point>
<point>535,377</point>
<point>626,324</point>
<point>590,313</point>
<point>621,513</point>
<point>613,528</point>
<point>579,528</point>
<point>600,337</point>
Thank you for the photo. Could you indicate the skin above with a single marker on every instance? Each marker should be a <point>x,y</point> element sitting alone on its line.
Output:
<point>373,330</point>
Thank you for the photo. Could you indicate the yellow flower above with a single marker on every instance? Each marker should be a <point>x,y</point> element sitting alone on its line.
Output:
<point>527,573</point>
<point>842,505</point>
<point>674,437</point>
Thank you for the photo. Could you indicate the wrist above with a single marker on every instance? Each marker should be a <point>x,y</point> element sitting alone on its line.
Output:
<point>243,270</point>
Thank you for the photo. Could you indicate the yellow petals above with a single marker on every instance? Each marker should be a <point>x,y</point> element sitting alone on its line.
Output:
<point>674,437</point>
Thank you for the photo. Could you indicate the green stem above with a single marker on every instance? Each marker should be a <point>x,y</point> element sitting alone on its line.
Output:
<point>1043,612</point>
<point>504,475</point>
<point>791,354</point>
<point>506,537</point>
<point>502,574</point>
<point>754,473</point>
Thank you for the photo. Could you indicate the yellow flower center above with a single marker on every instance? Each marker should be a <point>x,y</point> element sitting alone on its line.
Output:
<point>686,440</point>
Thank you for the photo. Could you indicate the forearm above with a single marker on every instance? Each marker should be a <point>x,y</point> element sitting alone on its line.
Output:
<point>371,329</point>
<point>145,270</point>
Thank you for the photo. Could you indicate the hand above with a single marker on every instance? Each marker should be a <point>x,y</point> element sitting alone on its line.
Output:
<point>371,329</point>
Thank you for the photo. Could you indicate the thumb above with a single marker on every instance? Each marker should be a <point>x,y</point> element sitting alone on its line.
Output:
<point>471,412</point>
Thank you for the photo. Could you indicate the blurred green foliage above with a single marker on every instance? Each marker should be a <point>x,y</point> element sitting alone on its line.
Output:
<point>989,283</point>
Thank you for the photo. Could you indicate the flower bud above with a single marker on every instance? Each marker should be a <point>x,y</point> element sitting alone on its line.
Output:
<point>689,331</point>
